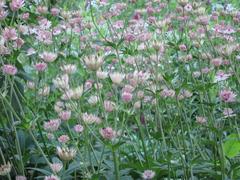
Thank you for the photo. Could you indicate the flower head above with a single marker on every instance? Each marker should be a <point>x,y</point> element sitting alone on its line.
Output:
<point>227,96</point>
<point>93,62</point>
<point>48,56</point>
<point>52,177</point>
<point>65,153</point>
<point>40,66</point>
<point>63,139</point>
<point>9,69</point>
<point>148,174</point>
<point>5,169</point>
<point>108,133</point>
<point>116,77</point>
<point>15,5</point>
<point>21,178</point>
<point>52,125</point>
<point>78,128</point>
<point>56,167</point>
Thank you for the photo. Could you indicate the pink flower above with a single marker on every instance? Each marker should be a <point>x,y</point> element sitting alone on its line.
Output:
<point>9,69</point>
<point>227,96</point>
<point>52,177</point>
<point>88,85</point>
<point>40,66</point>
<point>188,7</point>
<point>108,133</point>
<point>9,33</point>
<point>129,37</point>
<point>52,125</point>
<point>55,11</point>
<point>217,62</point>
<point>42,9</point>
<point>90,118</point>
<point>228,112</point>
<point>18,43</point>
<point>183,47</point>
<point>109,106</point>
<point>78,128</point>
<point>167,93</point>
<point>148,174</point>
<point>48,56</point>
<point>44,36</point>
<point>65,115</point>
<point>25,16</point>
<point>56,167</point>
<point>127,96</point>
<point>20,178</point>
<point>15,5</point>
<point>63,139</point>
<point>3,14</point>
<point>221,76</point>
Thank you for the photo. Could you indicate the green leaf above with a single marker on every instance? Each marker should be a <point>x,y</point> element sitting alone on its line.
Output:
<point>231,146</point>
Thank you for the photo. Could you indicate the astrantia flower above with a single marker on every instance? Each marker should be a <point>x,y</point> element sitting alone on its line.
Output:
<point>93,62</point>
<point>30,84</point>
<point>44,91</point>
<point>59,106</point>
<point>148,174</point>
<point>31,51</point>
<point>44,23</point>
<point>78,128</point>
<point>21,178</point>
<point>3,14</point>
<point>9,69</point>
<point>9,33</point>
<point>109,106</point>
<point>92,100</point>
<point>167,93</point>
<point>221,76</point>
<point>56,167</point>
<point>52,125</point>
<point>15,5</point>
<point>44,36</point>
<point>52,177</point>
<point>126,96</point>
<point>61,82</point>
<point>217,62</point>
<point>40,66</point>
<point>5,169</point>
<point>102,74</point>
<point>88,84</point>
<point>63,138</point>
<point>48,56</point>
<point>90,118</point>
<point>55,11</point>
<point>108,133</point>
<point>227,96</point>
<point>228,112</point>
<point>116,77</point>
<point>65,115</point>
<point>65,153</point>
<point>75,93</point>
<point>69,68</point>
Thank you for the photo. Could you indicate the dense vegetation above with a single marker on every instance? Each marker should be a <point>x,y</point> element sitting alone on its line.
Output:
<point>119,90</point>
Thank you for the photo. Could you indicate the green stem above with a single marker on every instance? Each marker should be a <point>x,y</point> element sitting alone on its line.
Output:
<point>116,165</point>
<point>142,140</point>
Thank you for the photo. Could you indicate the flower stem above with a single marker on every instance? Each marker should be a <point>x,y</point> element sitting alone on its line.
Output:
<point>116,165</point>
